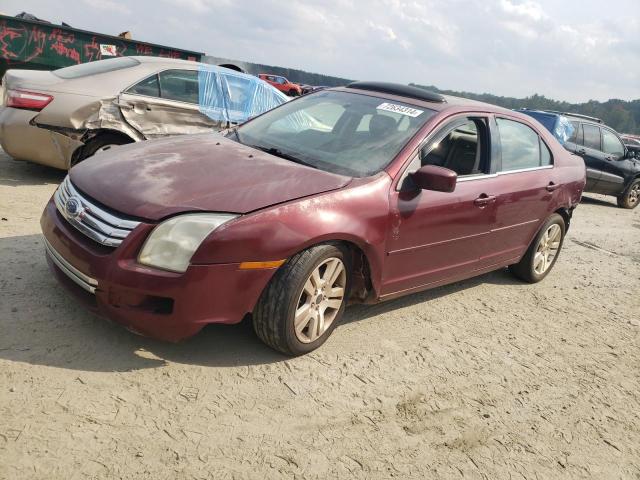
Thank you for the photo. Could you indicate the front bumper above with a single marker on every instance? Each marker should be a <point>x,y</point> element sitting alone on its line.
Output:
<point>163,305</point>
<point>24,141</point>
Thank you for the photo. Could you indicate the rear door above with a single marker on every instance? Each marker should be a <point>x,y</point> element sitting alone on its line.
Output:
<point>524,185</point>
<point>166,103</point>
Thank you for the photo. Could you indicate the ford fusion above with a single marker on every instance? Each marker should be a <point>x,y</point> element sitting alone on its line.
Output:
<point>356,194</point>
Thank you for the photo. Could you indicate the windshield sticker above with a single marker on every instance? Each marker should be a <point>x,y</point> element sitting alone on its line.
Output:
<point>401,109</point>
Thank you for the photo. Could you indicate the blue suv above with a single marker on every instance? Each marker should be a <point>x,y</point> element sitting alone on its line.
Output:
<point>612,168</point>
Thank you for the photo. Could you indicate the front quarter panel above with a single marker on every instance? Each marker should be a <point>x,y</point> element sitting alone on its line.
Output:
<point>358,214</point>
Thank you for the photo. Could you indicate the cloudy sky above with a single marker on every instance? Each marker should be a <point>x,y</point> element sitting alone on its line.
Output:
<point>569,50</point>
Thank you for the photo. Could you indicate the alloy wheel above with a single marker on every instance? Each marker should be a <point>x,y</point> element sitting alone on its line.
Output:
<point>634,194</point>
<point>547,249</point>
<point>320,300</point>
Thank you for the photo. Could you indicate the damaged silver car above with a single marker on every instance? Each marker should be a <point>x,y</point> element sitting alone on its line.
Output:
<point>61,117</point>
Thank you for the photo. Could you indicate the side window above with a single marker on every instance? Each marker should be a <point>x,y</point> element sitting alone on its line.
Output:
<point>520,145</point>
<point>591,136</point>
<point>580,137</point>
<point>458,149</point>
<point>611,144</point>
<point>545,154</point>
<point>239,91</point>
<point>574,136</point>
<point>149,87</point>
<point>179,85</point>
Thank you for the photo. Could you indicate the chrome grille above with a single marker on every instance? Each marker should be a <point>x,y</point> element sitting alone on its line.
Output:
<point>85,281</point>
<point>94,221</point>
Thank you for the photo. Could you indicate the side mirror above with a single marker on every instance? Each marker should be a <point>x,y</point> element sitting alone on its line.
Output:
<point>432,177</point>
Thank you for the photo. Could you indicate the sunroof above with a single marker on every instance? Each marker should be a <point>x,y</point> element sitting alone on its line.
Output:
<point>398,89</point>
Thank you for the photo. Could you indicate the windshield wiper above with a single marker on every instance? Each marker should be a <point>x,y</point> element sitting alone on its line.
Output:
<point>279,153</point>
<point>233,131</point>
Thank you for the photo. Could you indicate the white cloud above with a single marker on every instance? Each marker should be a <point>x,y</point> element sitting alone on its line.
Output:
<point>108,6</point>
<point>565,50</point>
<point>198,6</point>
<point>387,32</point>
<point>528,9</point>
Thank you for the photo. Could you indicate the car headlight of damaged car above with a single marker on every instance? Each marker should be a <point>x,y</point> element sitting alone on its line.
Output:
<point>172,243</point>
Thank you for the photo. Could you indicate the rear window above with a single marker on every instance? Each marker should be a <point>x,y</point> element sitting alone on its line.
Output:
<point>95,68</point>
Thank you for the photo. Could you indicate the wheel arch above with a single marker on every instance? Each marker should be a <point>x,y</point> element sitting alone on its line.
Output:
<point>566,214</point>
<point>91,135</point>
<point>365,284</point>
<point>362,289</point>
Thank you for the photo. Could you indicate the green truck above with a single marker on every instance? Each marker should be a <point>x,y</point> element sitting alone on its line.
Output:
<point>44,46</point>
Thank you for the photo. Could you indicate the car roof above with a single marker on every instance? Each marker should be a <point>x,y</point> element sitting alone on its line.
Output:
<point>440,102</point>
<point>573,116</point>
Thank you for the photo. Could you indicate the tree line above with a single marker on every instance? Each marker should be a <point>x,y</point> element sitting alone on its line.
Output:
<point>623,116</point>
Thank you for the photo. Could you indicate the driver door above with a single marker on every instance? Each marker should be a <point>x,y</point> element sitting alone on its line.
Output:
<point>436,237</point>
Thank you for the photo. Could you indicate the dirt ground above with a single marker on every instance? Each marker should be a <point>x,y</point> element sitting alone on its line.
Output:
<point>488,378</point>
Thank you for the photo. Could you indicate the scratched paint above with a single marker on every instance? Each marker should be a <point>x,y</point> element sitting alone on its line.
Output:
<point>45,46</point>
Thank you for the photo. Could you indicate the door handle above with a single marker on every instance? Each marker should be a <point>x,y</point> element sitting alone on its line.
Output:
<point>552,186</point>
<point>582,151</point>
<point>608,158</point>
<point>484,200</point>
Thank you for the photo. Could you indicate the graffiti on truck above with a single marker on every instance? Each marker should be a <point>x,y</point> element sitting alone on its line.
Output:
<point>22,42</point>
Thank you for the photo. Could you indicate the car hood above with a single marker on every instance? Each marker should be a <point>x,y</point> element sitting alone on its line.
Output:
<point>159,178</point>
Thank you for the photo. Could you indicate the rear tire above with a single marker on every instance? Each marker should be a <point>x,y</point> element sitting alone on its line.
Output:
<point>631,196</point>
<point>543,252</point>
<point>101,142</point>
<point>299,291</point>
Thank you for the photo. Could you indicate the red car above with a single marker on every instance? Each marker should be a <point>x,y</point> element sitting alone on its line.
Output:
<point>282,84</point>
<point>355,194</point>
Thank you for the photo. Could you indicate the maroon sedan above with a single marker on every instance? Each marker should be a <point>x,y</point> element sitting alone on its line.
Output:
<point>355,194</point>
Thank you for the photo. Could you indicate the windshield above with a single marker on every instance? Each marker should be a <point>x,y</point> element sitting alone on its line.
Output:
<point>93,68</point>
<point>345,133</point>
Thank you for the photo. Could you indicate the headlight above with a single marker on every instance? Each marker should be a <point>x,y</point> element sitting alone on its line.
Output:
<point>172,243</point>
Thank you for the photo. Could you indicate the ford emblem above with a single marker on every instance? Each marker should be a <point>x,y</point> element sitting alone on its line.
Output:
<point>73,207</point>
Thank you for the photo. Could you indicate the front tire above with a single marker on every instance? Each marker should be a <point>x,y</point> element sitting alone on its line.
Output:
<point>304,300</point>
<point>543,252</point>
<point>631,196</point>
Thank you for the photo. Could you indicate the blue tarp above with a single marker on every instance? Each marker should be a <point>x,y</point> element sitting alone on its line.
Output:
<point>234,97</point>
<point>557,124</point>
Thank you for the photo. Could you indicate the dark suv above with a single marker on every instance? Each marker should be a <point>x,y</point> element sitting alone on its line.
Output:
<point>612,167</point>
